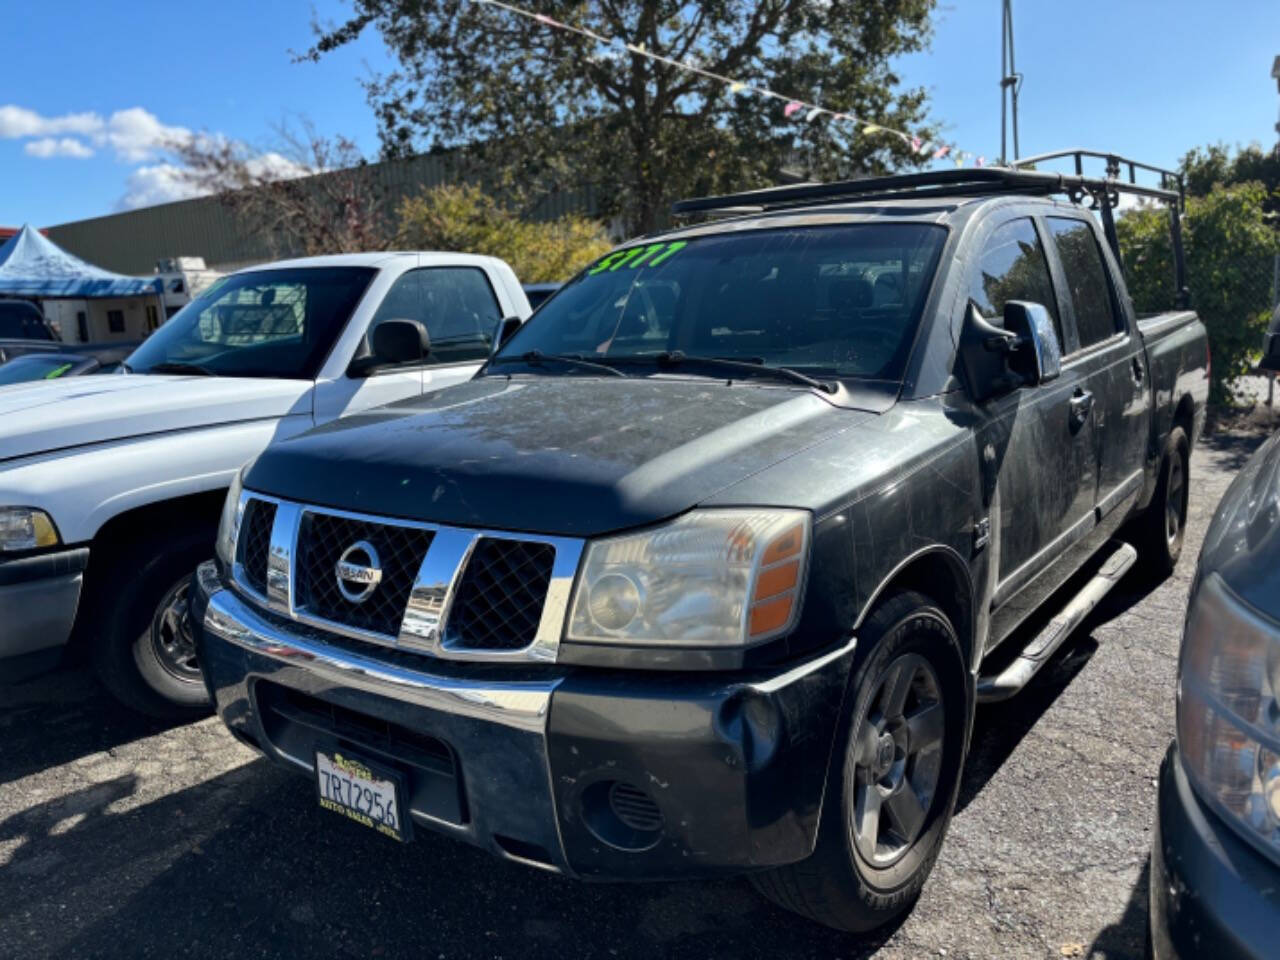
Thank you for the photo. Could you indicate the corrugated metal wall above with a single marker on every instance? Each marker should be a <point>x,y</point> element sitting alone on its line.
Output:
<point>132,242</point>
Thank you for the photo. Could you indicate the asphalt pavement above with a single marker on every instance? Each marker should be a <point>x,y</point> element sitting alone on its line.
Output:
<point>123,838</point>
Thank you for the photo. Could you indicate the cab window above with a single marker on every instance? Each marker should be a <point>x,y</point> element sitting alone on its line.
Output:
<point>1013,266</point>
<point>455,304</point>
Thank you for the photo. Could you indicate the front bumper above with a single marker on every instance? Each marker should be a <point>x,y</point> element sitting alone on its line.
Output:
<point>38,600</point>
<point>1211,893</point>
<point>718,773</point>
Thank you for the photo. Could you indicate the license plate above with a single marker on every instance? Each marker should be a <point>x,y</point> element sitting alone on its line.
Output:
<point>364,793</point>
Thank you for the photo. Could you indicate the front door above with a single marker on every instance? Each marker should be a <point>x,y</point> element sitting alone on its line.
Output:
<point>1037,443</point>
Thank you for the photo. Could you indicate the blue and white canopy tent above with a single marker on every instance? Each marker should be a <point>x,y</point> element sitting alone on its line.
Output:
<point>32,265</point>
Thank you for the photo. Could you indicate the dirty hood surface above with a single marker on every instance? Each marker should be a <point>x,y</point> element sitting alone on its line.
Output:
<point>52,415</point>
<point>559,455</point>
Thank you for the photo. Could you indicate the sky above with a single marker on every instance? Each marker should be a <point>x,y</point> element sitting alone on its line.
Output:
<point>91,91</point>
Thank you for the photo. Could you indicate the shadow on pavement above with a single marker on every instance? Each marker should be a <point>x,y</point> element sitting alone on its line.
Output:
<point>59,717</point>
<point>1127,936</point>
<point>246,864</point>
<point>998,728</point>
<point>1232,448</point>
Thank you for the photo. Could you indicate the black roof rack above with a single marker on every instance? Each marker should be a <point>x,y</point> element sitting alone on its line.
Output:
<point>1103,192</point>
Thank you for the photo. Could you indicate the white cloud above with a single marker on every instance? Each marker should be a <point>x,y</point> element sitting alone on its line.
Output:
<point>19,122</point>
<point>57,147</point>
<point>134,136</point>
<point>137,135</point>
<point>156,183</point>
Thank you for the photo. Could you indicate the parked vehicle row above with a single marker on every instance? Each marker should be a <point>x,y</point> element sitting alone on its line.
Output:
<point>110,489</point>
<point>702,570</point>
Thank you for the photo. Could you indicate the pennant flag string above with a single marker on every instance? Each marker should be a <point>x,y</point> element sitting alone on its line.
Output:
<point>792,106</point>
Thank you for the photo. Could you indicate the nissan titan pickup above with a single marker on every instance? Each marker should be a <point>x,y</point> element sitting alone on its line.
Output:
<point>706,569</point>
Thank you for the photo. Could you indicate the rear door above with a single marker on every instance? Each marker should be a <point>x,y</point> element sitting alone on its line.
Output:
<point>1109,359</point>
<point>1037,443</point>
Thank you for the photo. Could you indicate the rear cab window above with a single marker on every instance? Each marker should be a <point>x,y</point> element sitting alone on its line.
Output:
<point>1088,287</point>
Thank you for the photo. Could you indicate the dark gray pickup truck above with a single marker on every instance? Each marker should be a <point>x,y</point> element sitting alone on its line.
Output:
<point>707,569</point>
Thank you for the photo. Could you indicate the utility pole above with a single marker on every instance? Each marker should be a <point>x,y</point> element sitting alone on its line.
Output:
<point>1011,83</point>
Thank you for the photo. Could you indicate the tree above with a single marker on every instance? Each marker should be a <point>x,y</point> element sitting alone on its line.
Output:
<point>1213,165</point>
<point>282,196</point>
<point>467,218</point>
<point>543,109</point>
<point>1229,250</point>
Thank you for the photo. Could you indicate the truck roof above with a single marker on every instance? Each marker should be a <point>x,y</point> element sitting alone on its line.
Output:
<point>380,258</point>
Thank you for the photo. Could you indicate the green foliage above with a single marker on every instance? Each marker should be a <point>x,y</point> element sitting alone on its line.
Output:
<point>1229,250</point>
<point>467,218</point>
<point>541,109</point>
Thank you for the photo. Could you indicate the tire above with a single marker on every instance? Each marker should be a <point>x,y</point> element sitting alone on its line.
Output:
<point>141,613</point>
<point>845,884</point>
<point>1163,524</point>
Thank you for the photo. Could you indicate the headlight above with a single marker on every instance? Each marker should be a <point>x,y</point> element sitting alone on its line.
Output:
<point>229,525</point>
<point>712,578</point>
<point>25,528</point>
<point>1228,717</point>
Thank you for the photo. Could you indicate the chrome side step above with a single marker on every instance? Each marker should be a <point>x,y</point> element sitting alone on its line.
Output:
<point>1036,653</point>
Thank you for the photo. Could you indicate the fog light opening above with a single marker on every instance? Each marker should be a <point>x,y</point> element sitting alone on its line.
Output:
<point>621,815</point>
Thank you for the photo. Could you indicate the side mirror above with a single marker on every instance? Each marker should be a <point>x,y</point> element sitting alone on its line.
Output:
<point>1039,355</point>
<point>502,333</point>
<point>984,351</point>
<point>394,342</point>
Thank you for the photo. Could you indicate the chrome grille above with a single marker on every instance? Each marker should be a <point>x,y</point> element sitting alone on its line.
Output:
<point>499,601</point>
<point>322,539</point>
<point>255,540</point>
<point>449,592</point>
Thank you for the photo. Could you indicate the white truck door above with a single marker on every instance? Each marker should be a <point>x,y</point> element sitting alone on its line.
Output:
<point>463,303</point>
<point>393,295</point>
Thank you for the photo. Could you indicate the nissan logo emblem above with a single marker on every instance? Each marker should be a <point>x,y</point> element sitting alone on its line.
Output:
<point>359,571</point>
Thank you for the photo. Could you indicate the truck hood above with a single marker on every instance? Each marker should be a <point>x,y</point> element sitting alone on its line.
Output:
<point>51,415</point>
<point>574,457</point>
<point>1243,540</point>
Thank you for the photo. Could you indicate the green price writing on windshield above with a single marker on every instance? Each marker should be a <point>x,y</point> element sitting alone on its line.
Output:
<point>56,372</point>
<point>638,256</point>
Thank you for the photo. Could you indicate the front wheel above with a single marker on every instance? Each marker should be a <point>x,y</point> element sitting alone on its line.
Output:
<point>897,773</point>
<point>144,651</point>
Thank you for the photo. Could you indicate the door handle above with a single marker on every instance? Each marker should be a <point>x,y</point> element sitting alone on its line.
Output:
<point>1137,370</point>
<point>1081,403</point>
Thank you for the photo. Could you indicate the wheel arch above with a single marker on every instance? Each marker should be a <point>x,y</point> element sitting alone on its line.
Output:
<point>131,529</point>
<point>941,574</point>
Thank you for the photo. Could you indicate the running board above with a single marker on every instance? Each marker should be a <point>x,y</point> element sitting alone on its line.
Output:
<point>1016,676</point>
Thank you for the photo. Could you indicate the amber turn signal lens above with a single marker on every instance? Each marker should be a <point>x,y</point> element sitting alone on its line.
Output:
<point>771,614</point>
<point>776,580</point>
<point>786,544</point>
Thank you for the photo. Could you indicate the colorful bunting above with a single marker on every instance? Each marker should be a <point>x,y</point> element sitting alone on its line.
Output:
<point>813,111</point>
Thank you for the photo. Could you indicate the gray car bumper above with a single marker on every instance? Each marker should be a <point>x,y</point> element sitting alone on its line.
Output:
<point>38,600</point>
<point>1211,893</point>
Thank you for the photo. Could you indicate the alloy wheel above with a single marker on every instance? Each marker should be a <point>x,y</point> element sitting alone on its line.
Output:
<point>898,759</point>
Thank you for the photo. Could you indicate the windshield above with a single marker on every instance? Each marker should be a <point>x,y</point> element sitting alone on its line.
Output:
<point>24,369</point>
<point>840,301</point>
<point>264,323</point>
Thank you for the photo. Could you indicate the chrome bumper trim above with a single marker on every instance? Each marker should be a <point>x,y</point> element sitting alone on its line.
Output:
<point>523,705</point>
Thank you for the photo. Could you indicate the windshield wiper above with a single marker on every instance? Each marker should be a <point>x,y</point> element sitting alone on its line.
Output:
<point>572,359</point>
<point>174,366</point>
<point>675,358</point>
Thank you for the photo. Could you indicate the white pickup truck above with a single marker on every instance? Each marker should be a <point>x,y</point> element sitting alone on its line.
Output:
<point>111,486</point>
